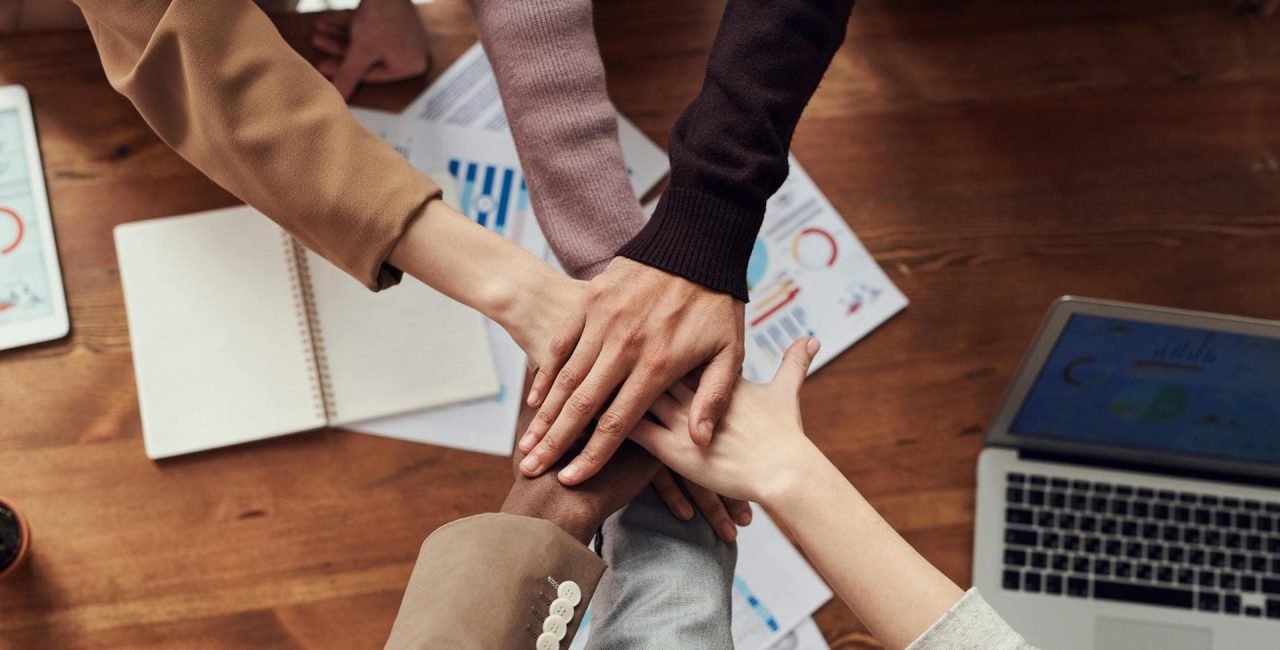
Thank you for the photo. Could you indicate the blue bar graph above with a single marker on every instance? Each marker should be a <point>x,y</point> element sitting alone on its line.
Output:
<point>494,196</point>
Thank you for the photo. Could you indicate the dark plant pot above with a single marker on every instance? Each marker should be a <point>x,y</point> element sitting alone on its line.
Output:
<point>15,538</point>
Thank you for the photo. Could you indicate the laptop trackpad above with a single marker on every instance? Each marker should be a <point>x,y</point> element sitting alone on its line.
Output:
<point>1116,634</point>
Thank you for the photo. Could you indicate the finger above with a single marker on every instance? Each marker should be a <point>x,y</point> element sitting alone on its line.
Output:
<point>712,398</point>
<point>665,444</point>
<point>329,44</point>
<point>795,364</point>
<point>669,412</point>
<point>672,495</point>
<point>543,452</point>
<point>683,391</point>
<point>711,507</point>
<point>636,396</point>
<point>740,511</point>
<point>558,381</point>
<point>562,345</point>
<point>352,70</point>
<point>578,412</point>
<point>381,74</point>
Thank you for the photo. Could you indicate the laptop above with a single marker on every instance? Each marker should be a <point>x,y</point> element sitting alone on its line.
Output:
<point>1129,490</point>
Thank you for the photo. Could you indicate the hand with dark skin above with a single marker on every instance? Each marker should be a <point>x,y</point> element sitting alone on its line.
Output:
<point>379,42</point>
<point>642,329</point>
<point>581,509</point>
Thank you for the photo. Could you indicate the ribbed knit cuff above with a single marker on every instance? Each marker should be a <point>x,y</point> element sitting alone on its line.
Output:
<point>699,237</point>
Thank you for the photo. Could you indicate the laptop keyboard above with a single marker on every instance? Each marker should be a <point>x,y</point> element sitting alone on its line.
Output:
<point>1106,541</point>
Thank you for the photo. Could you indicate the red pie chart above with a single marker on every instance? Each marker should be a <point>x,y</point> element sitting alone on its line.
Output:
<point>17,238</point>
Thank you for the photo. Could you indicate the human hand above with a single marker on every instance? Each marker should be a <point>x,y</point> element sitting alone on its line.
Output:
<point>721,513</point>
<point>642,329</point>
<point>761,448</point>
<point>378,42</point>
<point>581,509</point>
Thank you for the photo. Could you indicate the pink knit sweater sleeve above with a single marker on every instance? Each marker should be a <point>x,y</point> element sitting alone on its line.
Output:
<point>552,82</point>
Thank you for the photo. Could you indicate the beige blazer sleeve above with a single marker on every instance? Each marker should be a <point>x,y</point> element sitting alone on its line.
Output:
<point>216,82</point>
<point>487,582</point>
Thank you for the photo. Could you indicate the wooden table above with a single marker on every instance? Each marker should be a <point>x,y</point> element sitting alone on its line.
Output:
<point>991,158</point>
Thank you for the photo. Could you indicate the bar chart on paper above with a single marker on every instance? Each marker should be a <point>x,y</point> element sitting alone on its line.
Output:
<point>495,196</point>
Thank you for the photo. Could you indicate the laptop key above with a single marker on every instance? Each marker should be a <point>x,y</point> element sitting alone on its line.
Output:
<point>1273,608</point>
<point>1013,495</point>
<point>1039,559</point>
<point>1231,604</point>
<point>1053,584</point>
<point>1248,583</point>
<point>1031,582</point>
<point>1270,586</point>
<point>1019,516</point>
<point>1020,537</point>
<point>1011,580</point>
<point>1035,497</point>
<point>1207,601</point>
<point>1015,557</point>
<point>1227,581</point>
<point>1078,587</point>
<point>1164,573</point>
<point>1036,479</point>
<point>1253,611</point>
<point>1186,576</point>
<point>1014,477</point>
<point>1143,594</point>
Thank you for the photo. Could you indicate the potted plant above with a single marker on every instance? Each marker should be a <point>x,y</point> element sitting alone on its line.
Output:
<point>15,538</point>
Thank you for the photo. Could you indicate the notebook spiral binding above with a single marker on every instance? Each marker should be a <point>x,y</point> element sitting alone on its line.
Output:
<point>304,304</point>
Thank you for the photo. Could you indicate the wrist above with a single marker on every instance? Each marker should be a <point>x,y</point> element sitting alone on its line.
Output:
<point>537,498</point>
<point>799,474</point>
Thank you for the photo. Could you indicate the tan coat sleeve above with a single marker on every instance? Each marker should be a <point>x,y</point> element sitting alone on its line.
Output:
<point>216,82</point>
<point>482,582</point>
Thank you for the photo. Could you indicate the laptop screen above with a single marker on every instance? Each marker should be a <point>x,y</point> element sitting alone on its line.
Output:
<point>1156,386</point>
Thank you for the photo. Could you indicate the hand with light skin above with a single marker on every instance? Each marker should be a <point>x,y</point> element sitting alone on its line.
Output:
<point>642,329</point>
<point>379,42</point>
<point>761,453</point>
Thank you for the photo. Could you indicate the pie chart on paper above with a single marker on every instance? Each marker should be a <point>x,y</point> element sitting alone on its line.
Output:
<point>11,230</point>
<point>814,249</point>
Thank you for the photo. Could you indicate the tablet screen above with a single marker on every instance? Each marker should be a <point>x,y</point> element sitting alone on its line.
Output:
<point>24,284</point>
<point>1156,386</point>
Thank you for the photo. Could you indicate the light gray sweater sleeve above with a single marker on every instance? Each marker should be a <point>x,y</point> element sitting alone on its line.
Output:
<point>970,623</point>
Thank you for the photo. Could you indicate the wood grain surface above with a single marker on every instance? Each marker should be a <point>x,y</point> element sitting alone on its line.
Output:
<point>991,155</point>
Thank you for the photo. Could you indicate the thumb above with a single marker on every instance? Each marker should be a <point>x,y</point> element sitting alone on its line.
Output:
<point>711,400</point>
<point>352,71</point>
<point>795,364</point>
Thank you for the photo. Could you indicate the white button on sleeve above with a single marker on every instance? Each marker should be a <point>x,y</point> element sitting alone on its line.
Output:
<point>563,608</point>
<point>555,625</point>
<point>547,641</point>
<point>570,591</point>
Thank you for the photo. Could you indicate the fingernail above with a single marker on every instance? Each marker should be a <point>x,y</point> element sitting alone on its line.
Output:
<point>526,443</point>
<point>684,511</point>
<point>812,346</point>
<point>705,429</point>
<point>571,473</point>
<point>529,465</point>
<point>744,518</point>
<point>728,532</point>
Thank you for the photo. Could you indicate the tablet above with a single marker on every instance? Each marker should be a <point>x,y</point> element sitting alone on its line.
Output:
<point>32,305</point>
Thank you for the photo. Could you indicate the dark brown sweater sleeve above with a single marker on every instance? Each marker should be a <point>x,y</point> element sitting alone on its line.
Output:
<point>729,148</point>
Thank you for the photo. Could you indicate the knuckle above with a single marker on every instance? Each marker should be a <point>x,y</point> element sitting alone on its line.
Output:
<point>544,418</point>
<point>568,379</point>
<point>579,406</point>
<point>611,425</point>
<point>550,445</point>
<point>561,345</point>
<point>717,399</point>
<point>591,457</point>
<point>633,335</point>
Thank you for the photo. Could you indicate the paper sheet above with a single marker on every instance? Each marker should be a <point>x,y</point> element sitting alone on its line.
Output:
<point>486,426</point>
<point>810,276</point>
<point>466,95</point>
<point>775,591</point>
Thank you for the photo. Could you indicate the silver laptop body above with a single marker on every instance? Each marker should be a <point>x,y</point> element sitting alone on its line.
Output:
<point>1127,494</point>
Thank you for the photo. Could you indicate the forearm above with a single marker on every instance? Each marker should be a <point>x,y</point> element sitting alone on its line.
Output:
<point>218,84</point>
<point>474,265</point>
<point>897,593</point>
<point>729,148</point>
<point>548,66</point>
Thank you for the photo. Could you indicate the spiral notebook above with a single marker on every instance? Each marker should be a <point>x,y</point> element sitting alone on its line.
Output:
<point>240,334</point>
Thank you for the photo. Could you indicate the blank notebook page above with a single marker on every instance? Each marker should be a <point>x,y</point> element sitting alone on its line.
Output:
<point>219,350</point>
<point>402,349</point>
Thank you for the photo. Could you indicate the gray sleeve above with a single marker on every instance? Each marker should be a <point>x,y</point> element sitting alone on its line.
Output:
<point>668,585</point>
<point>970,623</point>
